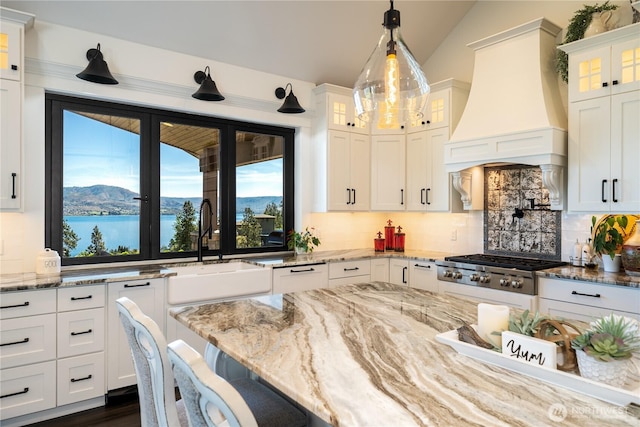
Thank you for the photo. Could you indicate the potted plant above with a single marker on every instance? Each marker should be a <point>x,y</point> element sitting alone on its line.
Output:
<point>605,349</point>
<point>608,239</point>
<point>575,31</point>
<point>302,242</point>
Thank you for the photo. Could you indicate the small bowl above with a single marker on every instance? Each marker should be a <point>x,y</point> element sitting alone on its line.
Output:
<point>591,266</point>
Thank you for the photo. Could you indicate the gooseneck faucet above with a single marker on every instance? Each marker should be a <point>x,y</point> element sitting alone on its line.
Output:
<point>209,228</point>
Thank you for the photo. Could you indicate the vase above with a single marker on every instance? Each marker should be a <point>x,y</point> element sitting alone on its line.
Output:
<point>611,265</point>
<point>613,373</point>
<point>631,253</point>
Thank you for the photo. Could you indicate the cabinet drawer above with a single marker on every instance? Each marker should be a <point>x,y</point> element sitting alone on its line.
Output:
<point>81,297</point>
<point>81,332</point>
<point>81,378</point>
<point>30,303</point>
<point>339,270</point>
<point>27,389</point>
<point>422,275</point>
<point>27,340</point>
<point>300,278</point>
<point>615,298</point>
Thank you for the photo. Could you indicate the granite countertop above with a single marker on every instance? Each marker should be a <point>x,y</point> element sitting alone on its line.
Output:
<point>106,274</point>
<point>366,354</point>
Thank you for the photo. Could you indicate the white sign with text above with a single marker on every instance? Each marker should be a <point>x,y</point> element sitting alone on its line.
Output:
<point>529,349</point>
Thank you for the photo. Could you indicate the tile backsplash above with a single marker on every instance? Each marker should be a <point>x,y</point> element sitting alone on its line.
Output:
<point>511,225</point>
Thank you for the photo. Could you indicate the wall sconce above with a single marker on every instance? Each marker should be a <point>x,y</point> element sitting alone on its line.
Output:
<point>97,71</point>
<point>291,104</point>
<point>208,90</point>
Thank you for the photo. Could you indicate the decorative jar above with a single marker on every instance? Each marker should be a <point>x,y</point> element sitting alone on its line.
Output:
<point>631,253</point>
<point>613,373</point>
<point>389,235</point>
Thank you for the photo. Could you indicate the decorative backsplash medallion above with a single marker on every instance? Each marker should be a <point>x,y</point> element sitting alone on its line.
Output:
<point>511,226</point>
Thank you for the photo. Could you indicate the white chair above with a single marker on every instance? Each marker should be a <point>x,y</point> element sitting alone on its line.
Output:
<point>210,400</point>
<point>156,388</point>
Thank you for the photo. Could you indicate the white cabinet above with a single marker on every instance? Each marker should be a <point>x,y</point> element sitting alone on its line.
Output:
<point>398,271</point>
<point>423,275</point>
<point>12,26</point>
<point>388,159</point>
<point>300,278</point>
<point>380,269</point>
<point>348,171</point>
<point>347,272</point>
<point>604,130</point>
<point>586,301</point>
<point>341,152</point>
<point>149,295</point>
<point>27,352</point>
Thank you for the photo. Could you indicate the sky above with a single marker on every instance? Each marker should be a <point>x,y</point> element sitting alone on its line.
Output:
<point>99,154</point>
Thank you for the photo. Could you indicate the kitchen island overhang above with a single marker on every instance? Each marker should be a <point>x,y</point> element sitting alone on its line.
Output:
<point>366,354</point>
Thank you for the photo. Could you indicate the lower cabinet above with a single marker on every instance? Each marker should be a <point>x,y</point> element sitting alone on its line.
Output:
<point>380,269</point>
<point>399,271</point>
<point>347,272</point>
<point>150,297</point>
<point>586,301</point>
<point>26,389</point>
<point>80,378</point>
<point>422,275</point>
<point>300,278</point>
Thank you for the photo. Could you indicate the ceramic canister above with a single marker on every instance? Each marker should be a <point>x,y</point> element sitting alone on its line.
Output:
<point>47,263</point>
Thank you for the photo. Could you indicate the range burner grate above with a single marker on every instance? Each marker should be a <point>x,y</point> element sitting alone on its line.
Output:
<point>521,263</point>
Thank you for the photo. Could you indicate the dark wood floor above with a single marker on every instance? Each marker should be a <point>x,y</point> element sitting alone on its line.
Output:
<point>121,411</point>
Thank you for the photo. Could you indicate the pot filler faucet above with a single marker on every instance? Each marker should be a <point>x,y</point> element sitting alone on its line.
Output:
<point>209,228</point>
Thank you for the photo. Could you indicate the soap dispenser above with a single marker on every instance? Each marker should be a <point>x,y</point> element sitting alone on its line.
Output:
<point>576,259</point>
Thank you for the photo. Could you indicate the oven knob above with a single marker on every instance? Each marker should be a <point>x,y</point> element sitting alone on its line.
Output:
<point>485,279</point>
<point>505,281</point>
<point>474,277</point>
<point>448,273</point>
<point>457,275</point>
<point>516,283</point>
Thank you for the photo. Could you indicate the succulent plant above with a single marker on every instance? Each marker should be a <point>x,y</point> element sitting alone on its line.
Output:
<point>524,324</point>
<point>609,338</point>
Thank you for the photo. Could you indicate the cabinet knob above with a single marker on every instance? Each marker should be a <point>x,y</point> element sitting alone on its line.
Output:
<point>14,67</point>
<point>428,121</point>
<point>615,82</point>
<point>605,84</point>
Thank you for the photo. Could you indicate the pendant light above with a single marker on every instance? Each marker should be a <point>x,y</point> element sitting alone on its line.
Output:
<point>208,90</point>
<point>392,89</point>
<point>290,104</point>
<point>97,71</point>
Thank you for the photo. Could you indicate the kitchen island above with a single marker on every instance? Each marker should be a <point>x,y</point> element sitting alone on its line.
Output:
<point>366,355</point>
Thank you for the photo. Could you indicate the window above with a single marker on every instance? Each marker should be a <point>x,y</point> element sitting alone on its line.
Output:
<point>133,183</point>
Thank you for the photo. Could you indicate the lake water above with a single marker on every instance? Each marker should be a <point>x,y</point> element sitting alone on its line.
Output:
<point>118,230</point>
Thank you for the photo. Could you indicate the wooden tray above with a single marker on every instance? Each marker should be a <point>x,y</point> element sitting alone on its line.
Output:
<point>618,396</point>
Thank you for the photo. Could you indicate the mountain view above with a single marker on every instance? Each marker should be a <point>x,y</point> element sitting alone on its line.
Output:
<point>109,200</point>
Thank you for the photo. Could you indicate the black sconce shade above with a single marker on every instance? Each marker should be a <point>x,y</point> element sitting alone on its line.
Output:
<point>97,71</point>
<point>291,104</point>
<point>208,90</point>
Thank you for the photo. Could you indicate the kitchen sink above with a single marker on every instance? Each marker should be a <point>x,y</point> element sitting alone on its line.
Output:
<point>226,280</point>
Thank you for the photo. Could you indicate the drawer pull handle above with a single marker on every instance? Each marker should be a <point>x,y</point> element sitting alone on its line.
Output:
<point>81,298</point>
<point>302,271</point>
<point>585,295</point>
<point>26,390</point>
<point>73,334</point>
<point>24,341</point>
<point>75,380</point>
<point>24,304</point>
<point>352,269</point>
<point>137,286</point>
<point>423,266</point>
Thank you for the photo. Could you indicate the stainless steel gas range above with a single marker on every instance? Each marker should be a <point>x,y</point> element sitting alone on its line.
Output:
<point>474,275</point>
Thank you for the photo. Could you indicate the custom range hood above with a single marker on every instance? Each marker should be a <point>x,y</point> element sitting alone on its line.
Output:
<point>514,114</point>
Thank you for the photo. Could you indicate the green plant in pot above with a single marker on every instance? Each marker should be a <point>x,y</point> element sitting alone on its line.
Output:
<point>303,241</point>
<point>607,239</point>
<point>605,349</point>
<point>575,31</point>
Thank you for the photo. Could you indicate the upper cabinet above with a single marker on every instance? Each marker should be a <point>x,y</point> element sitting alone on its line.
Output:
<point>12,27</point>
<point>604,130</point>
<point>341,112</point>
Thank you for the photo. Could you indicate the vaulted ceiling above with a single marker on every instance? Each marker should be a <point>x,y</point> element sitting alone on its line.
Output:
<point>316,41</point>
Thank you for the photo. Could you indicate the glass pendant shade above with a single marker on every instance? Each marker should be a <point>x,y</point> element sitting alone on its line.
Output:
<point>392,88</point>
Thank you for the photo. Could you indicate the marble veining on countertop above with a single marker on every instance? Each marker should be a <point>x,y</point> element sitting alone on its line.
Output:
<point>366,355</point>
<point>591,275</point>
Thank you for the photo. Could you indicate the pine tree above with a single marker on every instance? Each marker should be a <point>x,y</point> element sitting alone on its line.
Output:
<point>185,225</point>
<point>249,232</point>
<point>97,246</point>
<point>273,210</point>
<point>69,239</point>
